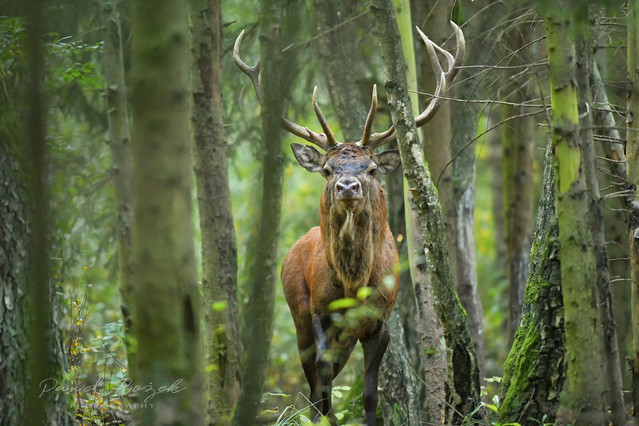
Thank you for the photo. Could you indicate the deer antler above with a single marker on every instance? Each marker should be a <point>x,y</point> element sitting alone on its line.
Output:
<point>445,78</point>
<point>327,139</point>
<point>324,140</point>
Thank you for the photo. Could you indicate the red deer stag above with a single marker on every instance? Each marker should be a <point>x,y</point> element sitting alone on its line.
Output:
<point>353,248</point>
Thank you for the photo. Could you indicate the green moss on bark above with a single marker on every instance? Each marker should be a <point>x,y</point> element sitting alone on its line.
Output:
<point>534,370</point>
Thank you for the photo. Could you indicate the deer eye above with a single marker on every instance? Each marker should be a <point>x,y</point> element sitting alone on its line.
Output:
<point>372,171</point>
<point>326,171</point>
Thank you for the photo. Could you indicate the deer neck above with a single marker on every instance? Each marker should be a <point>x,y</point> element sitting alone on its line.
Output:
<point>353,241</point>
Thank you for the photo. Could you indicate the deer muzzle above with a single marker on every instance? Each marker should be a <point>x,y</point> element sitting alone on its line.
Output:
<point>348,188</point>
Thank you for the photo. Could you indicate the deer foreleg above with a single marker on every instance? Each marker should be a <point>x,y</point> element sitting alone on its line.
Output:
<point>374,347</point>
<point>323,362</point>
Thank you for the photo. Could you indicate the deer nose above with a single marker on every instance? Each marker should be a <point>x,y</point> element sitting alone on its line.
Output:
<point>348,187</point>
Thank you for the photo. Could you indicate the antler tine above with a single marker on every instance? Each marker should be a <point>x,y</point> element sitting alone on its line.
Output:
<point>380,139</point>
<point>445,77</point>
<point>252,72</point>
<point>366,137</point>
<point>320,117</point>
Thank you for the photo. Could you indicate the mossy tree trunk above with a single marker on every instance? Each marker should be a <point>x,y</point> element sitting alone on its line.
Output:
<point>120,144</point>
<point>422,396</point>
<point>535,368</point>
<point>166,296</point>
<point>517,160</point>
<point>462,385</point>
<point>219,256</point>
<point>581,398</point>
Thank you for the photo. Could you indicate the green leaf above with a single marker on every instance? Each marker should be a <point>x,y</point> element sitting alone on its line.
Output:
<point>364,292</point>
<point>344,303</point>
<point>220,305</point>
<point>492,408</point>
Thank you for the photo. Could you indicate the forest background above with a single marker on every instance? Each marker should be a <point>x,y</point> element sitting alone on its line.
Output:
<point>486,151</point>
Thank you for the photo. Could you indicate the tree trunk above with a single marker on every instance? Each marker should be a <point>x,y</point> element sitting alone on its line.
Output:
<point>616,233</point>
<point>613,383</point>
<point>517,160</point>
<point>463,374</point>
<point>219,257</point>
<point>120,143</point>
<point>437,137</point>
<point>423,325</point>
<point>44,354</point>
<point>581,400</point>
<point>258,314</point>
<point>14,241</point>
<point>465,117</point>
<point>167,302</point>
<point>338,51</point>
<point>495,156</point>
<point>632,164</point>
<point>535,368</point>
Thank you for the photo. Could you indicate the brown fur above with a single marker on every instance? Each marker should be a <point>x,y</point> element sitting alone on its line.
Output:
<point>327,264</point>
<point>352,248</point>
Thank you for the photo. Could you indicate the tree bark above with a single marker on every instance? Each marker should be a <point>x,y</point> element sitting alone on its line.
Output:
<point>463,374</point>
<point>465,117</point>
<point>534,371</point>
<point>44,355</point>
<point>14,241</point>
<point>120,144</point>
<point>338,51</point>
<point>437,137</point>
<point>219,256</point>
<point>612,383</point>
<point>517,160</point>
<point>258,314</point>
<point>495,158</point>
<point>616,227</point>
<point>423,326</point>
<point>167,301</point>
<point>581,400</point>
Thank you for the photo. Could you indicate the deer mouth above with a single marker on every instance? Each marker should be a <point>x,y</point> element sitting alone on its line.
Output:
<point>350,204</point>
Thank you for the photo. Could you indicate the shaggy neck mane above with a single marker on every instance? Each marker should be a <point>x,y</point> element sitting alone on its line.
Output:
<point>353,242</point>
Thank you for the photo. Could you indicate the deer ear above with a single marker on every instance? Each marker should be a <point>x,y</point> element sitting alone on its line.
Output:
<point>308,157</point>
<point>388,161</point>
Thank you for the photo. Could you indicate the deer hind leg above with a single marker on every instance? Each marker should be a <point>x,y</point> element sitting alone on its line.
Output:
<point>323,365</point>
<point>374,346</point>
